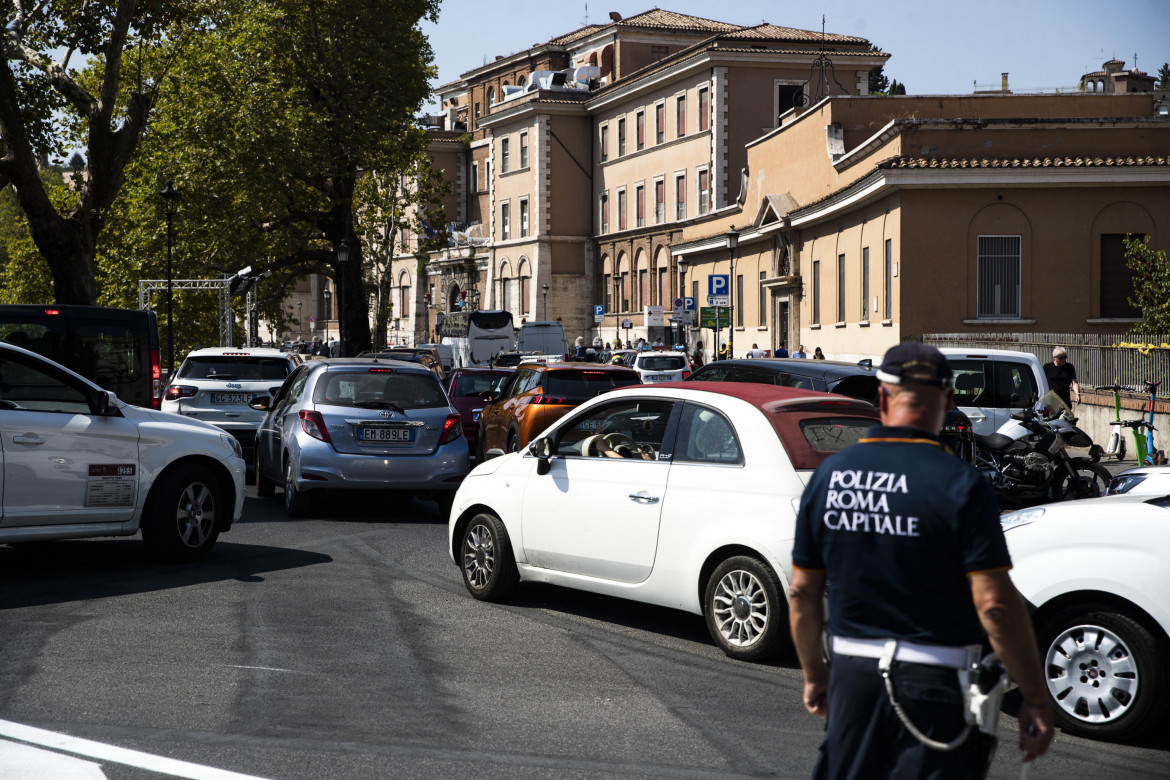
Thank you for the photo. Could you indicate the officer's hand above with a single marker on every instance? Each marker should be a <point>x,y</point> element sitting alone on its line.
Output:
<point>815,696</point>
<point>1036,730</point>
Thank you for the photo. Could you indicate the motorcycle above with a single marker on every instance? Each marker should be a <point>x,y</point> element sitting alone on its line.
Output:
<point>1027,459</point>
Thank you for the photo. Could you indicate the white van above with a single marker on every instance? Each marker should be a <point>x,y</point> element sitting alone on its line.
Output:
<point>990,384</point>
<point>546,338</point>
<point>446,355</point>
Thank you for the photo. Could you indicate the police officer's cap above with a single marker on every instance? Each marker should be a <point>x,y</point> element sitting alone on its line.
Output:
<point>913,363</point>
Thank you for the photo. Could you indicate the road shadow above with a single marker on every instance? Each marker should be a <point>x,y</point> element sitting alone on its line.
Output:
<point>1157,738</point>
<point>350,506</point>
<point>58,572</point>
<point>673,623</point>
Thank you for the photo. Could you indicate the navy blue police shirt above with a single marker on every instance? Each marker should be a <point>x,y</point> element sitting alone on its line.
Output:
<point>897,524</point>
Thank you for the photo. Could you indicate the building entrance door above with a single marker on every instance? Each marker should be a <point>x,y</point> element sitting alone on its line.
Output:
<point>782,332</point>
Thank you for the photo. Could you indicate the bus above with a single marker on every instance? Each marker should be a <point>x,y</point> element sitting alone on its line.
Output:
<point>476,337</point>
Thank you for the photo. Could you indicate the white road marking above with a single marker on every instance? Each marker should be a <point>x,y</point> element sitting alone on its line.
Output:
<point>25,762</point>
<point>97,750</point>
<point>261,668</point>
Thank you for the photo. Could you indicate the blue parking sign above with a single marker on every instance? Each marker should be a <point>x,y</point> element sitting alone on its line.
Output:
<point>719,284</point>
<point>688,304</point>
<point>598,310</point>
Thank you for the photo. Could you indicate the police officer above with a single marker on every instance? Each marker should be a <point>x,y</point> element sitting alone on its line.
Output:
<point>907,539</point>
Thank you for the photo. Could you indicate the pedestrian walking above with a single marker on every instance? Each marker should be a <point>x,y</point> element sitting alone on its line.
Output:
<point>800,353</point>
<point>1062,377</point>
<point>697,357</point>
<point>818,355</point>
<point>906,540</point>
<point>756,352</point>
<point>781,352</point>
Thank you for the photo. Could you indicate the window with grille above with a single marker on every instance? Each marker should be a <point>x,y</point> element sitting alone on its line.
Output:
<point>998,270</point>
<point>739,300</point>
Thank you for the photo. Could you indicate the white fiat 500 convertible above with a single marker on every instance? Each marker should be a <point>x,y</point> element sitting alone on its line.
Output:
<point>681,495</point>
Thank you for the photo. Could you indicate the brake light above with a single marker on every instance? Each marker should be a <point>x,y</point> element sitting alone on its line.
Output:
<point>381,370</point>
<point>452,429</point>
<point>236,354</point>
<point>313,424</point>
<point>686,374</point>
<point>549,399</point>
<point>53,312</point>
<point>175,392</point>
<point>156,386</point>
<point>596,373</point>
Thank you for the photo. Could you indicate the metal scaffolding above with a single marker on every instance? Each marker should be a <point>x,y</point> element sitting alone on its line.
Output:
<point>146,287</point>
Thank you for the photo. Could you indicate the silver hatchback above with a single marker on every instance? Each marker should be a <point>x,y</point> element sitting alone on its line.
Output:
<point>661,366</point>
<point>352,423</point>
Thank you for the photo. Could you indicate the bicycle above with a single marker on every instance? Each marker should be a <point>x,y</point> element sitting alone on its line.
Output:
<point>1116,445</point>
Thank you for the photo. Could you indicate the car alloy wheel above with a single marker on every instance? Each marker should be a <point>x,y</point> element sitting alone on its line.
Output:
<point>744,609</point>
<point>295,502</point>
<point>182,520</point>
<point>485,554</point>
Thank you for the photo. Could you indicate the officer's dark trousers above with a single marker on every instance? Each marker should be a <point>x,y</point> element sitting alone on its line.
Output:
<point>865,740</point>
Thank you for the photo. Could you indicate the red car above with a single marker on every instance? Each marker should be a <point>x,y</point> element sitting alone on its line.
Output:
<point>464,389</point>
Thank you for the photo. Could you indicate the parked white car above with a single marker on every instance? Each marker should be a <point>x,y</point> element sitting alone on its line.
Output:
<point>681,495</point>
<point>80,463</point>
<point>1143,480</point>
<point>1094,571</point>
<point>661,365</point>
<point>990,384</point>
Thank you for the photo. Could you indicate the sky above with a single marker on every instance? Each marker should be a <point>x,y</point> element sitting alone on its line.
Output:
<point>940,47</point>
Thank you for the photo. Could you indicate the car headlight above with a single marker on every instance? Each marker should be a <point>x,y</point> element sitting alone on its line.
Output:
<point>233,444</point>
<point>1024,516</point>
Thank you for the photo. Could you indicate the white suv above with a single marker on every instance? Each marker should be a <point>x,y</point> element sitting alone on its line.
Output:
<point>217,384</point>
<point>79,463</point>
<point>661,366</point>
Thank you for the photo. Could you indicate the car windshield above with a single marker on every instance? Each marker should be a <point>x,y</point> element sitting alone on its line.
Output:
<point>662,362</point>
<point>474,384</point>
<point>586,384</point>
<point>380,388</point>
<point>244,369</point>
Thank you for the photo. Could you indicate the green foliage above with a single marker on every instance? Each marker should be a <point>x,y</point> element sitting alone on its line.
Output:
<point>880,83</point>
<point>1151,281</point>
<point>1164,76</point>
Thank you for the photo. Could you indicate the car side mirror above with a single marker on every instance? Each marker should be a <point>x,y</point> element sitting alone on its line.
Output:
<point>261,403</point>
<point>103,402</point>
<point>541,449</point>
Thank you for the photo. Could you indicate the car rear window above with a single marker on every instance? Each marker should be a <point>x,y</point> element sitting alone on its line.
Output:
<point>662,363</point>
<point>380,389</point>
<point>863,388</point>
<point>585,383</point>
<point>467,385</point>
<point>240,369</point>
<point>811,437</point>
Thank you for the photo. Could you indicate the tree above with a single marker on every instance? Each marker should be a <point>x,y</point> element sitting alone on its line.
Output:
<point>1164,76</point>
<point>391,204</point>
<point>44,106</point>
<point>878,81</point>
<point>272,119</point>
<point>1151,282</point>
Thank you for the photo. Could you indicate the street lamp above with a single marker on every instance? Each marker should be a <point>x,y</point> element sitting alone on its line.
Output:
<point>328,296</point>
<point>300,321</point>
<point>732,236</point>
<point>170,196</point>
<point>544,287</point>
<point>682,293</point>
<point>342,257</point>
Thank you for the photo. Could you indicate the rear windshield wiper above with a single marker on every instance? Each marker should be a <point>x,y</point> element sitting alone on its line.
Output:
<point>221,376</point>
<point>379,405</point>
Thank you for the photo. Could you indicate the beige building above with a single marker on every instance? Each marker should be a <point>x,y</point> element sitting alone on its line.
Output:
<point>874,220</point>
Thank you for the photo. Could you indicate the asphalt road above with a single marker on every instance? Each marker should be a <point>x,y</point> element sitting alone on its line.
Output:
<point>346,647</point>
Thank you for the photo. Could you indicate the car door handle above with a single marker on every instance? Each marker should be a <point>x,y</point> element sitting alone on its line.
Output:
<point>27,438</point>
<point>644,499</point>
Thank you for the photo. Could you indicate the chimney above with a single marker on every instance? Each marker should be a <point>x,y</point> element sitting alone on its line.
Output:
<point>614,16</point>
<point>1003,82</point>
<point>499,57</point>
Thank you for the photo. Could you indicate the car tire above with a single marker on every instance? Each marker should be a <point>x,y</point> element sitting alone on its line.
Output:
<point>182,515</point>
<point>745,609</point>
<point>296,502</point>
<point>264,486</point>
<point>479,454</point>
<point>1099,644</point>
<point>1089,480</point>
<point>486,560</point>
<point>513,442</point>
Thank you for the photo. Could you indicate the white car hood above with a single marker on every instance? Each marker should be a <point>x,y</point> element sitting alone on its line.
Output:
<point>140,414</point>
